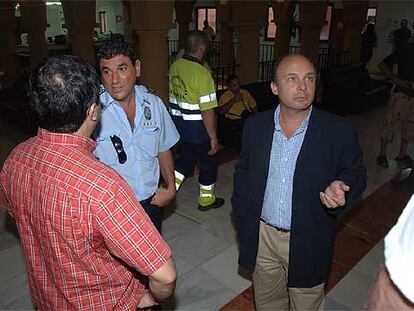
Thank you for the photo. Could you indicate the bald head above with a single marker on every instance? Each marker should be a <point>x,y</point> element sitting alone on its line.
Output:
<point>290,60</point>
<point>295,81</point>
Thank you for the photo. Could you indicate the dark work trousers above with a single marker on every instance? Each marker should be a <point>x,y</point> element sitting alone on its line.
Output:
<point>154,212</point>
<point>191,154</point>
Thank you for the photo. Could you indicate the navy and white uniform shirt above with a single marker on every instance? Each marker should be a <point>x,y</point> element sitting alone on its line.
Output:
<point>133,152</point>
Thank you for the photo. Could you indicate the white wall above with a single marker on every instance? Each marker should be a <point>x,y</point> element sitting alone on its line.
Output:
<point>389,15</point>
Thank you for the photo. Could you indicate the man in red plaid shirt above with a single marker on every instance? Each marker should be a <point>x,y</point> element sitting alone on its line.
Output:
<point>82,231</point>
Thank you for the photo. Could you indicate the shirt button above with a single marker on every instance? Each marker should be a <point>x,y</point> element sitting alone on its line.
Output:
<point>281,201</point>
<point>283,180</point>
<point>286,159</point>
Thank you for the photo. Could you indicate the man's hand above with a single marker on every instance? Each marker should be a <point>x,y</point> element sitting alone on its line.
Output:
<point>334,194</point>
<point>214,147</point>
<point>238,97</point>
<point>147,300</point>
<point>163,196</point>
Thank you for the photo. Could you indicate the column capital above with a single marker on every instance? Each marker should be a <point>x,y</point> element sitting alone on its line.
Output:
<point>355,12</point>
<point>312,13</point>
<point>146,14</point>
<point>283,11</point>
<point>183,11</point>
<point>249,14</point>
<point>34,15</point>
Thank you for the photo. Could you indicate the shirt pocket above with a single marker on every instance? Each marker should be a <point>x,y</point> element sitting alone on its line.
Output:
<point>105,150</point>
<point>148,141</point>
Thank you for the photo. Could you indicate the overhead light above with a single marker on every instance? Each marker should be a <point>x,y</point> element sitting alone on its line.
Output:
<point>53,3</point>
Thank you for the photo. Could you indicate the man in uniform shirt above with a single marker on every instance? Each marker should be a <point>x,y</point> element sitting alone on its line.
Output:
<point>192,103</point>
<point>136,132</point>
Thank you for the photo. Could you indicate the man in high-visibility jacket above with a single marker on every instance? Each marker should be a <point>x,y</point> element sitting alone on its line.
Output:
<point>192,103</point>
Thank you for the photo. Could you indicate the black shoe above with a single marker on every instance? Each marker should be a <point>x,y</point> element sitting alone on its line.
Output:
<point>382,160</point>
<point>217,203</point>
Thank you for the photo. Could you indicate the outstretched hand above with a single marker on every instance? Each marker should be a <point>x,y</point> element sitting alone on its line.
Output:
<point>334,194</point>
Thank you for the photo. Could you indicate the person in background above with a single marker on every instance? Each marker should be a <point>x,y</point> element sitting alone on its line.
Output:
<point>400,107</point>
<point>192,106</point>
<point>136,132</point>
<point>401,35</point>
<point>235,105</point>
<point>82,231</point>
<point>297,168</point>
<point>209,31</point>
<point>368,42</point>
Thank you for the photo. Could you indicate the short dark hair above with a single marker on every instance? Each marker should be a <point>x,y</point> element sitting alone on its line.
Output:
<point>231,78</point>
<point>115,47</point>
<point>194,39</point>
<point>61,90</point>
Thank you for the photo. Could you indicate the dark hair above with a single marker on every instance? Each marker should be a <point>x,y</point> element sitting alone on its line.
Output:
<point>112,48</point>
<point>231,78</point>
<point>193,40</point>
<point>61,90</point>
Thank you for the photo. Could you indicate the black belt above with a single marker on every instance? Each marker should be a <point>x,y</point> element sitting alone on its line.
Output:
<point>275,227</point>
<point>147,201</point>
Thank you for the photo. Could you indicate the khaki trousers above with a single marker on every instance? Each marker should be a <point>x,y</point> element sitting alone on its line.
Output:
<point>270,276</point>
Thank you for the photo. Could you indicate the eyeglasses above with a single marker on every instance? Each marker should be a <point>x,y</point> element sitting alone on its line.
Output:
<point>119,148</point>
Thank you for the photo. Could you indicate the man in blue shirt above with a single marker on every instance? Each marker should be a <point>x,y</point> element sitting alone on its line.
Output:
<point>297,167</point>
<point>135,133</point>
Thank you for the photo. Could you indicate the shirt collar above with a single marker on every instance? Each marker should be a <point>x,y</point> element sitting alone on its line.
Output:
<point>67,139</point>
<point>192,59</point>
<point>301,128</point>
<point>107,100</point>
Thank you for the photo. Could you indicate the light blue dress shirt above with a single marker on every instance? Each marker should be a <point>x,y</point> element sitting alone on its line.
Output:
<point>153,132</point>
<point>277,203</point>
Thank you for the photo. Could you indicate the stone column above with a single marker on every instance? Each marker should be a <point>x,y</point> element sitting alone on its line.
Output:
<point>183,12</point>
<point>226,33</point>
<point>249,17</point>
<point>355,13</point>
<point>311,19</point>
<point>282,12</point>
<point>8,42</point>
<point>126,6</point>
<point>35,21</point>
<point>80,19</point>
<point>150,20</point>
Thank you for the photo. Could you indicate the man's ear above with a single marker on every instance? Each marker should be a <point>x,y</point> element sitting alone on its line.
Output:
<point>274,88</point>
<point>137,68</point>
<point>94,112</point>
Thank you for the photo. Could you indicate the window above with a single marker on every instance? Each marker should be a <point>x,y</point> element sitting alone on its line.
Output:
<point>326,28</point>
<point>208,14</point>
<point>103,24</point>
<point>371,15</point>
<point>271,26</point>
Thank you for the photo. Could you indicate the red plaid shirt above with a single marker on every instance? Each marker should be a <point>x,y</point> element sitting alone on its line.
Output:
<point>80,225</point>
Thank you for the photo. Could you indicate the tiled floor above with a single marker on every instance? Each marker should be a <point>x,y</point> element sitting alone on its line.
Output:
<point>204,244</point>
